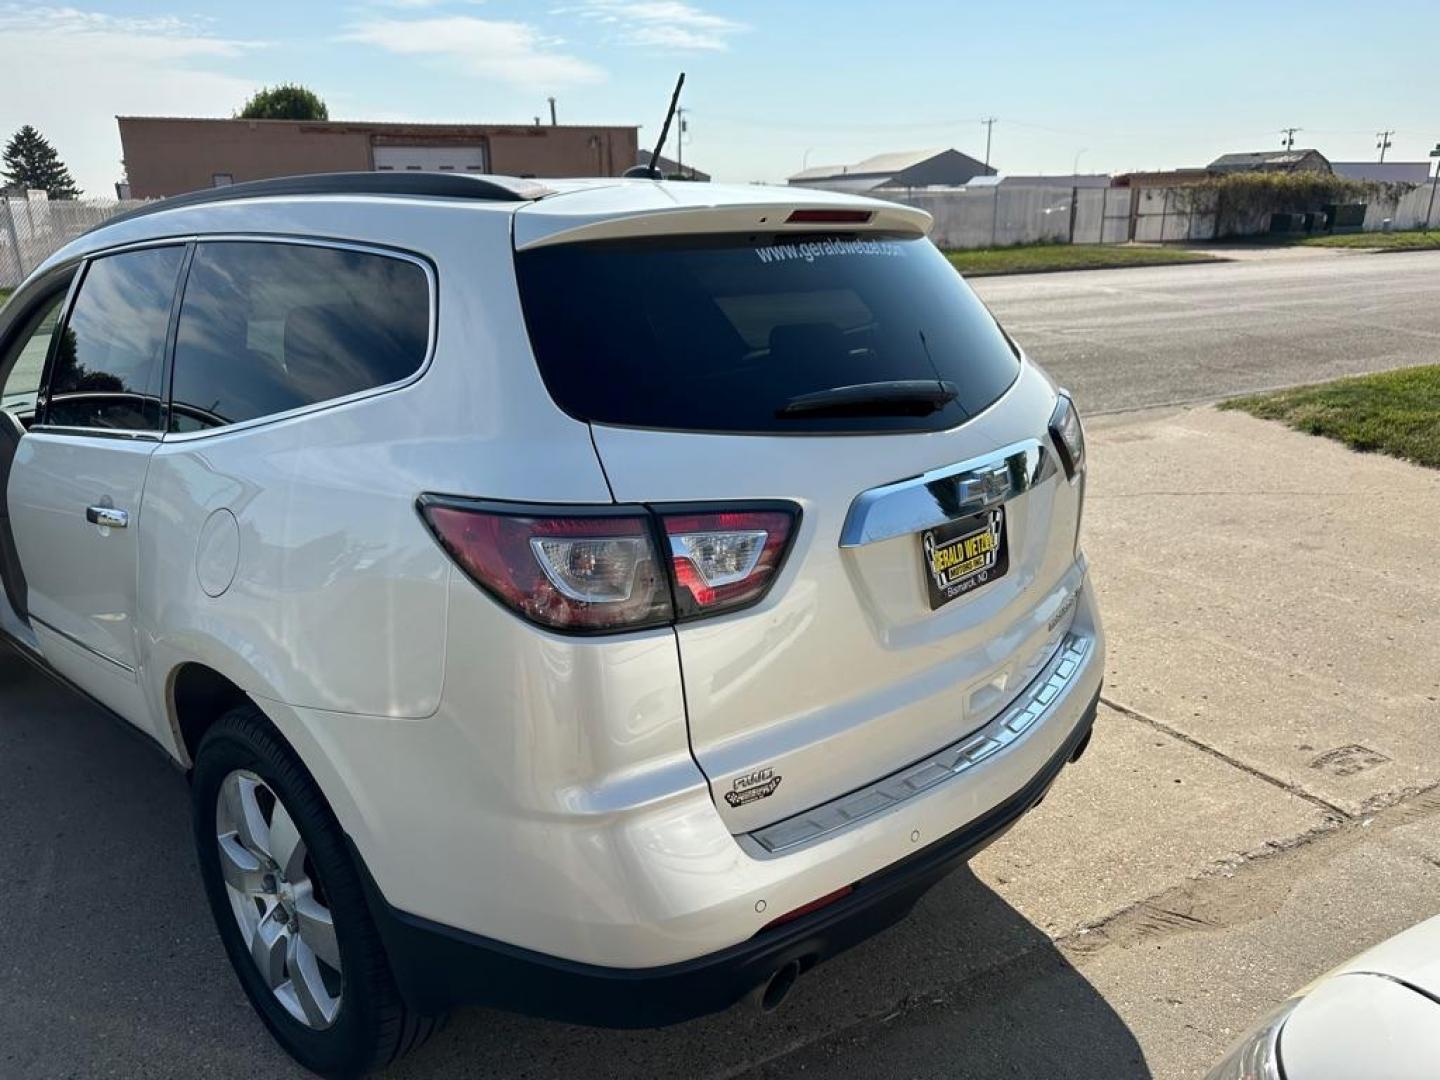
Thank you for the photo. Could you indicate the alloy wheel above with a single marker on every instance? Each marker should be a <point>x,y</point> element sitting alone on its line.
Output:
<point>278,900</point>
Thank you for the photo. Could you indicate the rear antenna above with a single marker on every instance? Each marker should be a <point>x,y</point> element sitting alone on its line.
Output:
<point>653,169</point>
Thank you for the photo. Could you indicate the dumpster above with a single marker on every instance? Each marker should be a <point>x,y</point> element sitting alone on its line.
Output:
<point>1346,217</point>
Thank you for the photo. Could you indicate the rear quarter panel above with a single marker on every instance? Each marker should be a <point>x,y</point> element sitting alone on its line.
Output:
<point>339,593</point>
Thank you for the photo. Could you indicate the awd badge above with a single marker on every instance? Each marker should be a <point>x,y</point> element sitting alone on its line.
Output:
<point>760,784</point>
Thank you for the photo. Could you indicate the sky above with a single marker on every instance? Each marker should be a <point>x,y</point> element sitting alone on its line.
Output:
<point>772,85</point>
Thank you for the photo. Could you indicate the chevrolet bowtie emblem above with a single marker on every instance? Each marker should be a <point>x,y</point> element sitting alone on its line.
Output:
<point>983,487</point>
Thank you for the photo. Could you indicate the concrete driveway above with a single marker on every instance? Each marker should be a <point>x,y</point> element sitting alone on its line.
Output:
<point>1259,803</point>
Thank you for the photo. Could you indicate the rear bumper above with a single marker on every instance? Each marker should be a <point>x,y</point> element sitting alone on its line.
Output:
<point>438,966</point>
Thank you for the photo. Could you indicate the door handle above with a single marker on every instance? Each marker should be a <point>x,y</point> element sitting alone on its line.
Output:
<point>107,517</point>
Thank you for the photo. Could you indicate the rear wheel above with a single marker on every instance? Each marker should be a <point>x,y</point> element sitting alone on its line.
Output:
<point>288,903</point>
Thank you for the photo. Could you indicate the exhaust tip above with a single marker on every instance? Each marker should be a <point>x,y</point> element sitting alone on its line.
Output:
<point>777,988</point>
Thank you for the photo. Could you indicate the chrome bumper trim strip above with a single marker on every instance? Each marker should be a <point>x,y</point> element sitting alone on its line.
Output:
<point>1013,722</point>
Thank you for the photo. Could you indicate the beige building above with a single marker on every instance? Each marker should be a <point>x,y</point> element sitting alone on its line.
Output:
<point>171,155</point>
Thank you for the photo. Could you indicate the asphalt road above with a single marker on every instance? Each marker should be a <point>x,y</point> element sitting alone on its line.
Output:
<point>1074,948</point>
<point>1126,339</point>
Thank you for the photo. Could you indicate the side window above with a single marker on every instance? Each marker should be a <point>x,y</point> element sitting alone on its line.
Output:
<point>265,328</point>
<point>107,368</point>
<point>25,358</point>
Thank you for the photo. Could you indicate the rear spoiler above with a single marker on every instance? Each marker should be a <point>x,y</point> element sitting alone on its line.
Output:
<point>539,224</point>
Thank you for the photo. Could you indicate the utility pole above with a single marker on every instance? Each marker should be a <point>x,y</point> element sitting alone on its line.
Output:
<point>552,111</point>
<point>1433,185</point>
<point>1289,134</point>
<point>680,142</point>
<point>989,123</point>
<point>1383,142</point>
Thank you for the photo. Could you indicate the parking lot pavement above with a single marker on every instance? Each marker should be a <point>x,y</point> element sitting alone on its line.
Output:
<point>1126,339</point>
<point>109,962</point>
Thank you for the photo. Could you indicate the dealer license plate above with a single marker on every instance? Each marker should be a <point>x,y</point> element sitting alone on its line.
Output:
<point>961,556</point>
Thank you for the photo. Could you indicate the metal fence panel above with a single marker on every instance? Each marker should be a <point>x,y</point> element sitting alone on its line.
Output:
<point>1174,215</point>
<point>1117,205</point>
<point>1405,212</point>
<point>34,228</point>
<point>1090,215</point>
<point>1032,215</point>
<point>1102,215</point>
<point>993,215</point>
<point>963,217</point>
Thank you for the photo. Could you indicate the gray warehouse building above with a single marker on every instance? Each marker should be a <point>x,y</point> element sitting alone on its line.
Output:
<point>906,169</point>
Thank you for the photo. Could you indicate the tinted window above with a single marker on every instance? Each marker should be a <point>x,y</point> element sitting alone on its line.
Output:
<point>269,327</point>
<point>718,335</point>
<point>111,351</point>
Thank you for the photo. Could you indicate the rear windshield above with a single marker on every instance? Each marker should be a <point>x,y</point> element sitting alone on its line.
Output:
<point>719,334</point>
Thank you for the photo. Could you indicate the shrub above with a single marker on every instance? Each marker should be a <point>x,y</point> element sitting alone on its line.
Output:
<point>1245,199</point>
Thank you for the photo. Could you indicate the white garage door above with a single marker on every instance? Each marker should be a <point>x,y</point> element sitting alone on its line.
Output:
<point>430,159</point>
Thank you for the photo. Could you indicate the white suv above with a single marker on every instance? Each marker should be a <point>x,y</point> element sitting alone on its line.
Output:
<point>604,599</point>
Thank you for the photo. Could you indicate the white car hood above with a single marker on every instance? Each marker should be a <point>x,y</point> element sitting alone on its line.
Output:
<point>1361,1027</point>
<point>1412,957</point>
<point>1376,1016</point>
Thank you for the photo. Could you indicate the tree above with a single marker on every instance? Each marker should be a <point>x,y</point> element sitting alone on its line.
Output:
<point>31,162</point>
<point>288,101</point>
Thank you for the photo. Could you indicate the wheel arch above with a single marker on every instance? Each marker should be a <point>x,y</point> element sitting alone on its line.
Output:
<point>197,677</point>
<point>189,673</point>
<point>196,696</point>
<point>202,684</point>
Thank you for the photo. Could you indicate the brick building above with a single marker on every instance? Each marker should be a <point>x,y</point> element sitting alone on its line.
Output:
<point>169,155</point>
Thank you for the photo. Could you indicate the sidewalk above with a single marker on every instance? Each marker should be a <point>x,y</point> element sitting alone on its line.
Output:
<point>1273,687</point>
<point>1272,596</point>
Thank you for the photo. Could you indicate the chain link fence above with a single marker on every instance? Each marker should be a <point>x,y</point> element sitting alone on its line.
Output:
<point>33,227</point>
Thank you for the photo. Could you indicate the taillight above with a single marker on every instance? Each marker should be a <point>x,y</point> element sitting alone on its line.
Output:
<point>596,570</point>
<point>1069,439</point>
<point>1069,436</point>
<point>724,559</point>
<point>579,571</point>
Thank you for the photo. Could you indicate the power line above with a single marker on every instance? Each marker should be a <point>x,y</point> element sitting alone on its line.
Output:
<point>1289,134</point>
<point>1383,142</point>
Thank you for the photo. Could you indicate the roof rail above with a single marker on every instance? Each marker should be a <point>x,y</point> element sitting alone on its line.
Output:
<point>436,185</point>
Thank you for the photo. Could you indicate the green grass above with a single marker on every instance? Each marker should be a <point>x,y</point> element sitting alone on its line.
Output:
<point>1035,258</point>
<point>1410,240</point>
<point>1396,413</point>
<point>4,295</point>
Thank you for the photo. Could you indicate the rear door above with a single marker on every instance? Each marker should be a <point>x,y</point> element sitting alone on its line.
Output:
<point>936,542</point>
<point>77,479</point>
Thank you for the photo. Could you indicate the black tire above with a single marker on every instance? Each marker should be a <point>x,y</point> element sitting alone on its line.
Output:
<point>373,1027</point>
